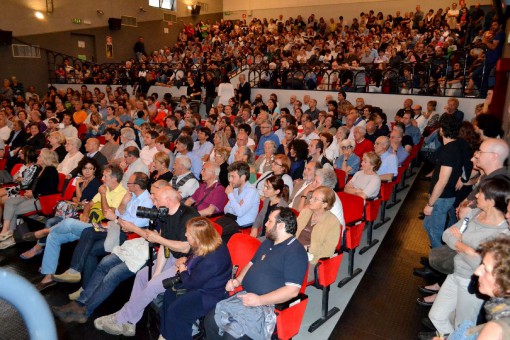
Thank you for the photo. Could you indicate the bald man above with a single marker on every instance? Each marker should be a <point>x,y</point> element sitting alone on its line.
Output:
<point>489,159</point>
<point>389,161</point>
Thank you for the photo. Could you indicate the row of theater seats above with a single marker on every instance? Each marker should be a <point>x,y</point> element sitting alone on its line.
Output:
<point>358,214</point>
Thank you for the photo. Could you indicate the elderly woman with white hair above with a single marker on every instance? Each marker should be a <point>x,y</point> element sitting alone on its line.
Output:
<point>127,138</point>
<point>348,161</point>
<point>73,156</point>
<point>46,183</point>
<point>263,163</point>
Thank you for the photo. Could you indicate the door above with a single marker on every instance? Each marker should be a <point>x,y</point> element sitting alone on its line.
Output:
<point>84,46</point>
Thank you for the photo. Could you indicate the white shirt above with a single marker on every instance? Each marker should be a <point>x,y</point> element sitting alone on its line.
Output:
<point>188,188</point>
<point>147,154</point>
<point>69,131</point>
<point>5,132</point>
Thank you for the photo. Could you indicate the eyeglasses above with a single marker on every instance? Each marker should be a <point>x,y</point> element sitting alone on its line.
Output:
<point>130,183</point>
<point>346,147</point>
<point>480,151</point>
<point>279,164</point>
<point>265,127</point>
<point>316,199</point>
<point>89,168</point>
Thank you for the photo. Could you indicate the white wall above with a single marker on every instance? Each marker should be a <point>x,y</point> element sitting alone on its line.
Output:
<point>234,9</point>
<point>390,103</point>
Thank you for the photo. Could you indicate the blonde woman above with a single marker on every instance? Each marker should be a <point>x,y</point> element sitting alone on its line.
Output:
<point>57,142</point>
<point>220,140</point>
<point>46,183</point>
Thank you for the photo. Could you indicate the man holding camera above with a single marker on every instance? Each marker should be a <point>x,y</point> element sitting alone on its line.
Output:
<point>112,270</point>
<point>109,195</point>
<point>97,242</point>
<point>274,275</point>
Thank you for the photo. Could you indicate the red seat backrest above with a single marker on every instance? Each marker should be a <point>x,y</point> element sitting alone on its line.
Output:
<point>340,176</point>
<point>372,209</point>
<point>16,168</point>
<point>386,190</point>
<point>353,207</point>
<point>61,180</point>
<point>242,248</point>
<point>328,270</point>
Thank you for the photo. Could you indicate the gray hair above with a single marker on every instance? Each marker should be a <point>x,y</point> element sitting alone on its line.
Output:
<point>185,162</point>
<point>76,141</point>
<point>327,176</point>
<point>273,144</point>
<point>128,133</point>
<point>385,141</point>
<point>348,142</point>
<point>249,153</point>
<point>361,129</point>
<point>215,167</point>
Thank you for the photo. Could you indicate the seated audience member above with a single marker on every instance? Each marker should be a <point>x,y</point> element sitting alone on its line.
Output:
<point>267,134</point>
<point>371,129</point>
<point>300,185</point>
<point>488,126</point>
<point>242,140</point>
<point>396,146</point>
<point>159,168</point>
<point>183,180</point>
<point>245,154</point>
<point>279,167</point>
<point>68,129</point>
<point>366,183</point>
<point>92,148</point>
<point>45,183</point>
<point>279,265</point>
<point>163,145</point>
<point>210,197</point>
<point>221,158</point>
<point>330,148</point>
<point>86,185</point>
<point>17,137</point>
<point>326,178</point>
<point>109,195</point>
<point>276,194</point>
<point>264,162</point>
<point>485,222</point>
<point>111,145</point>
<point>94,245</point>
<point>298,155</point>
<point>119,266</point>
<point>382,124</point>
<point>72,158</point>
<point>36,138</point>
<point>493,274</point>
<point>389,161</point>
<point>348,161</point>
<point>171,129</point>
<point>132,163</point>
<point>5,131</point>
<point>407,141</point>
<point>202,147</point>
<point>308,132</point>
<point>411,130</point>
<point>23,178</point>
<point>316,153</point>
<point>149,150</point>
<point>127,139</point>
<point>362,144</point>
<point>291,133</point>
<point>204,276</point>
<point>184,147</point>
<point>243,200</point>
<point>318,230</point>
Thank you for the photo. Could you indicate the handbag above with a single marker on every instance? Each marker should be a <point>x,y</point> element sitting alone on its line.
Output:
<point>441,259</point>
<point>67,209</point>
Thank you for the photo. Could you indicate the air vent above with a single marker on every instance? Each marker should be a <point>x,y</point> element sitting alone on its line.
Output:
<point>170,17</point>
<point>129,21</point>
<point>25,51</point>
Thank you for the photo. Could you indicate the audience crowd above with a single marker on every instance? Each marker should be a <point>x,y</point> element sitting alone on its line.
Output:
<point>252,164</point>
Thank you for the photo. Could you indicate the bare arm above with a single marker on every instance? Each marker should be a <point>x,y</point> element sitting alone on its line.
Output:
<point>280,295</point>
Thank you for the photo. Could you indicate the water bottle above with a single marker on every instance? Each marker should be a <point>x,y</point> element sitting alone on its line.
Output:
<point>464,225</point>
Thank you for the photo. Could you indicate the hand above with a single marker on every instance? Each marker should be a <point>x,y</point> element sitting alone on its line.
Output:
<point>110,214</point>
<point>455,232</point>
<point>427,211</point>
<point>102,190</point>
<point>459,184</point>
<point>232,285</point>
<point>123,165</point>
<point>152,236</point>
<point>179,261</point>
<point>229,189</point>
<point>29,194</point>
<point>250,299</point>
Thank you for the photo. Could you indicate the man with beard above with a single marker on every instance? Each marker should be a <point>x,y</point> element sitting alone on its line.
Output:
<point>274,275</point>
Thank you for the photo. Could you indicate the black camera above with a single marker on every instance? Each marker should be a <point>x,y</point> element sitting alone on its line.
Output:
<point>152,213</point>
<point>171,282</point>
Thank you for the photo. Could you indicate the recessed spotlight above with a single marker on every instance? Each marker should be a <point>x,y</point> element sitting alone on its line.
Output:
<point>190,7</point>
<point>39,15</point>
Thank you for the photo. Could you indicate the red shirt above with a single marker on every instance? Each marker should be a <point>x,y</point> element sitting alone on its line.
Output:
<point>364,146</point>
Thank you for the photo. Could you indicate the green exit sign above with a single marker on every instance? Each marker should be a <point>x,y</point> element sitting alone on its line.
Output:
<point>76,21</point>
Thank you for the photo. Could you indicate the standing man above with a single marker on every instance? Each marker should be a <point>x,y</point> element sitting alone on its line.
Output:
<point>244,90</point>
<point>442,187</point>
